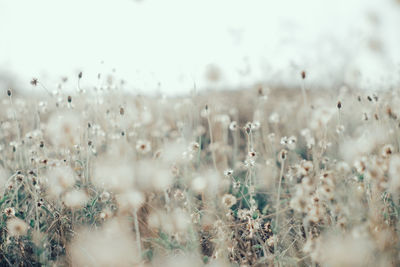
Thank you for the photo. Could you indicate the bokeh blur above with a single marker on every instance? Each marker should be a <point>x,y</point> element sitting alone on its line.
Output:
<point>168,46</point>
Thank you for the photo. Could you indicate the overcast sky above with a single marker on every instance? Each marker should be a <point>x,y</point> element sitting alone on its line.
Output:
<point>170,44</point>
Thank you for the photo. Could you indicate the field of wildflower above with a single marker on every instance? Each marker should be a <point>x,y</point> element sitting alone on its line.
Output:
<point>254,177</point>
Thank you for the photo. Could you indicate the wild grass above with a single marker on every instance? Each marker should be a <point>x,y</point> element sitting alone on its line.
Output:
<point>256,177</point>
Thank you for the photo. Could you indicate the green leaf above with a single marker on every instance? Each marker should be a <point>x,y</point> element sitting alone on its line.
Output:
<point>3,200</point>
<point>257,246</point>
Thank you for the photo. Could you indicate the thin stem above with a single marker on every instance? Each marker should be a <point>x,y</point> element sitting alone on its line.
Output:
<point>19,144</point>
<point>212,142</point>
<point>88,150</point>
<point>278,207</point>
<point>235,147</point>
<point>303,91</point>
<point>139,245</point>
<point>167,200</point>
<point>44,87</point>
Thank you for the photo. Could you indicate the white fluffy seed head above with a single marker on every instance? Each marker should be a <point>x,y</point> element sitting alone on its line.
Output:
<point>114,176</point>
<point>111,245</point>
<point>199,184</point>
<point>130,201</point>
<point>394,175</point>
<point>59,180</point>
<point>63,129</point>
<point>17,227</point>
<point>75,199</point>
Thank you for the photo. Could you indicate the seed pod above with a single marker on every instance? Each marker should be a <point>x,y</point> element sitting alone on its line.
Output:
<point>260,91</point>
<point>34,81</point>
<point>282,155</point>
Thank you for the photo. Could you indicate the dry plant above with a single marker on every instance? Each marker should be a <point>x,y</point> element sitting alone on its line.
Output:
<point>256,177</point>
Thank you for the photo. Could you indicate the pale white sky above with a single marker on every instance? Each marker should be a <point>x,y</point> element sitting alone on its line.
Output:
<point>173,41</point>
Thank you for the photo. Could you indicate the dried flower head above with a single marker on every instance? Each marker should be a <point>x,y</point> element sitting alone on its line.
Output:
<point>19,178</point>
<point>143,146</point>
<point>228,200</point>
<point>194,147</point>
<point>387,151</point>
<point>291,143</point>
<point>360,165</point>
<point>248,128</point>
<point>251,154</point>
<point>179,195</point>
<point>9,212</point>
<point>205,112</point>
<point>228,172</point>
<point>104,197</point>
<point>34,81</point>
<point>340,129</point>
<point>282,155</point>
<point>236,184</point>
<point>17,227</point>
<point>284,141</point>
<point>233,126</point>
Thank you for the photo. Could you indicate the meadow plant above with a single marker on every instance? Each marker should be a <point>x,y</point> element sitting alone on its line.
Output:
<point>255,177</point>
